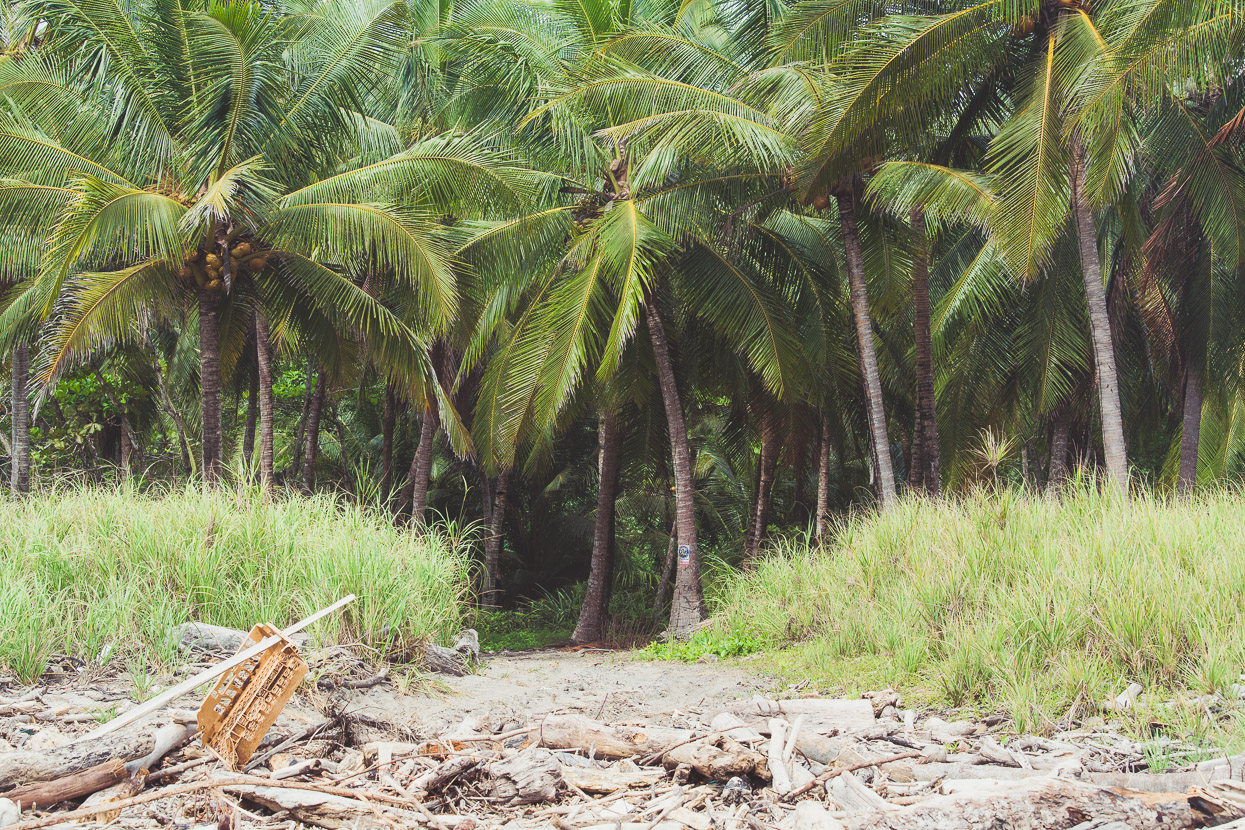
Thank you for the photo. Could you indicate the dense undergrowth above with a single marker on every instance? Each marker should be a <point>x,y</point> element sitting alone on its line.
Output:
<point>1036,606</point>
<point>101,575</point>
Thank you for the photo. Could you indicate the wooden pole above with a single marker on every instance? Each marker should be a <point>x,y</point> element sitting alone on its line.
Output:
<point>190,684</point>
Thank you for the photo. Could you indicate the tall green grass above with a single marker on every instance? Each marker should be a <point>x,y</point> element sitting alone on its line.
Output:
<point>105,573</point>
<point>1009,600</point>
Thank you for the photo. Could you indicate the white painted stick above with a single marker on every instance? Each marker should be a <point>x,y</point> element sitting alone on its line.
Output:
<point>190,684</point>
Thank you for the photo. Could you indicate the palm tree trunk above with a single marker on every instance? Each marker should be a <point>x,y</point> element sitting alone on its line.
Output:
<point>868,355</point>
<point>1058,469</point>
<point>179,423</point>
<point>252,415</point>
<point>765,486</point>
<point>667,573</point>
<point>263,354</point>
<point>687,606</point>
<point>594,613</point>
<point>1114,452</point>
<point>209,384</point>
<point>492,544</point>
<point>312,449</point>
<point>929,474</point>
<point>1190,433</point>
<point>308,392</point>
<point>19,466</point>
<point>387,423</point>
<point>823,482</point>
<point>415,492</point>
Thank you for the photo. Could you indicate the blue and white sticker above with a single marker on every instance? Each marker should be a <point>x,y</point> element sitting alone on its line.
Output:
<point>685,554</point>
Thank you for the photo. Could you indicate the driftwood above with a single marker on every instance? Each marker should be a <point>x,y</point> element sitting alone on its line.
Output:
<point>824,716</point>
<point>1038,804</point>
<point>47,793</point>
<point>197,636</point>
<point>327,810</point>
<point>29,767</point>
<point>442,774</point>
<point>718,760</point>
<point>444,660</point>
<point>525,778</point>
<point>610,780</point>
<point>602,741</point>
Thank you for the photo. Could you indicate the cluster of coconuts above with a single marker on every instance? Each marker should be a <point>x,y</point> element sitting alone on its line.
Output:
<point>1025,27</point>
<point>207,270</point>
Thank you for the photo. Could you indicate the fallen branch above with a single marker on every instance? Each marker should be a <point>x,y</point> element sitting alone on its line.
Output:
<point>834,773</point>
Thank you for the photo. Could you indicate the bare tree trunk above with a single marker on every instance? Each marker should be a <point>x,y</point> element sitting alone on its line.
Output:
<point>1058,469</point>
<point>1114,453</point>
<point>263,361</point>
<point>765,486</point>
<point>308,392</point>
<point>929,475</point>
<point>687,607</point>
<point>312,449</point>
<point>19,466</point>
<point>209,384</point>
<point>594,614</point>
<point>178,423</point>
<point>252,415</point>
<point>387,423</point>
<point>492,544</point>
<point>415,492</point>
<point>868,354</point>
<point>1190,433</point>
<point>667,574</point>
<point>823,482</point>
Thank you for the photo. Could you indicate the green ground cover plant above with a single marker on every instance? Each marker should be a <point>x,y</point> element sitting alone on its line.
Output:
<point>102,575</point>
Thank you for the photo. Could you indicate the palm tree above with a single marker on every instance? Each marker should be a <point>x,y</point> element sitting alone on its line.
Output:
<point>208,170</point>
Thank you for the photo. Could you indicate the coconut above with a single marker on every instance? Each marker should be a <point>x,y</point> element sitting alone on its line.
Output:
<point>820,203</point>
<point>212,260</point>
<point>241,250</point>
<point>258,263</point>
<point>216,285</point>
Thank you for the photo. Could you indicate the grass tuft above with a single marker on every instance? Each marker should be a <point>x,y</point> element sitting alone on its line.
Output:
<point>103,575</point>
<point>1010,601</point>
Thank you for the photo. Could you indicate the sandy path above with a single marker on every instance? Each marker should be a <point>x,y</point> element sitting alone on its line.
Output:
<point>513,689</point>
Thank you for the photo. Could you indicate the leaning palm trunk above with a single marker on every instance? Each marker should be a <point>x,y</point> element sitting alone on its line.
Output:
<point>263,352</point>
<point>492,544</point>
<point>1114,452</point>
<point>1191,431</point>
<point>19,468</point>
<point>687,606</point>
<point>594,614</point>
<point>765,487</point>
<point>209,384</point>
<point>312,449</point>
<point>925,461</point>
<point>868,354</point>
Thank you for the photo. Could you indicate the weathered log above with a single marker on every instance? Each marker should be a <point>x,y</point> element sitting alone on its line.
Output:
<point>217,638</point>
<point>325,810</point>
<point>442,774</point>
<point>47,793</point>
<point>28,767</point>
<point>101,776</point>
<point>823,716</point>
<point>526,777</point>
<point>444,660</point>
<point>1037,804</point>
<point>602,741</point>
<point>609,780</point>
<point>718,760</point>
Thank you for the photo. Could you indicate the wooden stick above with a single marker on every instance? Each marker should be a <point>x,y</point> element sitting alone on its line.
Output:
<point>223,783</point>
<point>835,773</point>
<point>189,685</point>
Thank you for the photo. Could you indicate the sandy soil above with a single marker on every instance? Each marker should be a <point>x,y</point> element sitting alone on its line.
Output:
<point>512,689</point>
